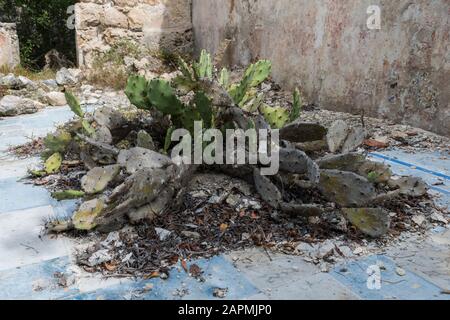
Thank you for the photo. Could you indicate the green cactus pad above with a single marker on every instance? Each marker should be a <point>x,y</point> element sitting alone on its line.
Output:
<point>296,106</point>
<point>277,117</point>
<point>67,195</point>
<point>53,163</point>
<point>163,98</point>
<point>204,108</point>
<point>137,92</point>
<point>204,68</point>
<point>58,141</point>
<point>254,76</point>
<point>74,105</point>
<point>224,78</point>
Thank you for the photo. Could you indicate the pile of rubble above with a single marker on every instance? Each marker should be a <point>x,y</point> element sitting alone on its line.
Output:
<point>156,211</point>
<point>21,95</point>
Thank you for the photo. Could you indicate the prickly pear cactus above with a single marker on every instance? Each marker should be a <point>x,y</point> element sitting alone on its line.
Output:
<point>57,142</point>
<point>267,190</point>
<point>296,106</point>
<point>374,222</point>
<point>137,92</point>
<point>277,117</point>
<point>346,188</point>
<point>224,79</point>
<point>74,105</point>
<point>297,162</point>
<point>204,68</point>
<point>204,108</point>
<point>53,163</point>
<point>163,98</point>
<point>254,76</point>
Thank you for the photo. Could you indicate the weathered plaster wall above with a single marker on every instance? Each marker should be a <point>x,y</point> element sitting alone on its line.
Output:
<point>158,24</point>
<point>9,45</point>
<point>401,72</point>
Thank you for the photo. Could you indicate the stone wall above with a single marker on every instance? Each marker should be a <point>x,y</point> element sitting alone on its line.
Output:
<point>9,45</point>
<point>400,72</point>
<point>157,24</point>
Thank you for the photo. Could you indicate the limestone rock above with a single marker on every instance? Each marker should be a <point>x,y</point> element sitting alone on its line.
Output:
<point>115,18</point>
<point>68,76</point>
<point>110,117</point>
<point>337,134</point>
<point>374,222</point>
<point>354,139</point>
<point>13,105</point>
<point>97,179</point>
<point>146,15</point>
<point>56,99</point>
<point>10,81</point>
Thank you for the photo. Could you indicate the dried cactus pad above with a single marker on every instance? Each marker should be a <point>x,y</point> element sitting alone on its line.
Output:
<point>97,179</point>
<point>296,161</point>
<point>268,191</point>
<point>84,218</point>
<point>303,132</point>
<point>374,222</point>
<point>139,158</point>
<point>346,188</point>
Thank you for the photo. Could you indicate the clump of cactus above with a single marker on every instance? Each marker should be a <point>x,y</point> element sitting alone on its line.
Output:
<point>200,78</point>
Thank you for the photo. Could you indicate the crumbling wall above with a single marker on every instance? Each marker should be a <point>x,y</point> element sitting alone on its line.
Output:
<point>400,72</point>
<point>158,24</point>
<point>9,45</point>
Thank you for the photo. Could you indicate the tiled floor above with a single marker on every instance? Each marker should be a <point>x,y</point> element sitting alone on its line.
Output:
<point>30,262</point>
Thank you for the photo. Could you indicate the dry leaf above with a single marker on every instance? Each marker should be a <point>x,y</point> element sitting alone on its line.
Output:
<point>110,266</point>
<point>195,270</point>
<point>223,227</point>
<point>184,265</point>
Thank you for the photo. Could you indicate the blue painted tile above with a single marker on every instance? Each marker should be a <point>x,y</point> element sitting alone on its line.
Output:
<point>429,166</point>
<point>35,282</point>
<point>409,287</point>
<point>16,195</point>
<point>218,272</point>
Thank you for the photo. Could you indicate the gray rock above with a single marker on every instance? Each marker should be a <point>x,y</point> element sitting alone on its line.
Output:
<point>356,163</point>
<point>16,83</point>
<point>354,139</point>
<point>68,76</point>
<point>50,83</point>
<point>110,117</point>
<point>337,134</point>
<point>139,158</point>
<point>103,135</point>
<point>13,105</point>
<point>56,99</point>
